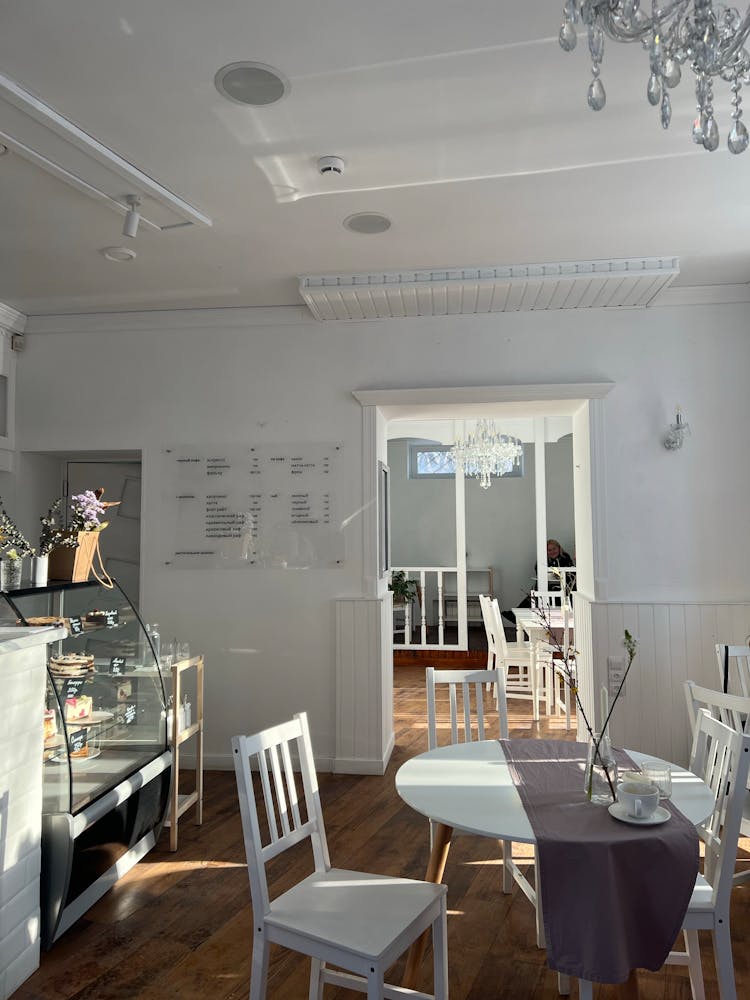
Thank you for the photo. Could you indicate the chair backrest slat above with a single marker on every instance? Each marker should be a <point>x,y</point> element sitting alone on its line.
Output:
<point>720,755</point>
<point>732,709</point>
<point>734,667</point>
<point>470,716</point>
<point>271,755</point>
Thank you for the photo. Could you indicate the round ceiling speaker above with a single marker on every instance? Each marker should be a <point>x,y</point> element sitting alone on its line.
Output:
<point>118,254</point>
<point>251,83</point>
<point>367,223</point>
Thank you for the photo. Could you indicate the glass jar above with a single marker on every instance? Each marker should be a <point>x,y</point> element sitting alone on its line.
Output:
<point>600,780</point>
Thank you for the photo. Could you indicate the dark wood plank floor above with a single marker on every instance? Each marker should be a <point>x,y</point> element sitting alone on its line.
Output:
<point>179,925</point>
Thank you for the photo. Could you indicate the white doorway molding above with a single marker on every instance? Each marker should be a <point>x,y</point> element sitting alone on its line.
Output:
<point>583,401</point>
<point>364,671</point>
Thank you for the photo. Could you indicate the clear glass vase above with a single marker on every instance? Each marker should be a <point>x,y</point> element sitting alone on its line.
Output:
<point>600,780</point>
<point>10,573</point>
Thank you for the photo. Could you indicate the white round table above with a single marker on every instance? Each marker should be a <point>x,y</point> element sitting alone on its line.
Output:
<point>468,787</point>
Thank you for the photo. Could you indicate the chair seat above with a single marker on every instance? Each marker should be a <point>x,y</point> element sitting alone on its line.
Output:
<point>702,898</point>
<point>321,907</point>
<point>520,652</point>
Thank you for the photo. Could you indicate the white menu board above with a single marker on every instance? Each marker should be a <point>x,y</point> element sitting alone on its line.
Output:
<point>235,506</point>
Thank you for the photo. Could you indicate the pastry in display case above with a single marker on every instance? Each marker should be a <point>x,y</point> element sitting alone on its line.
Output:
<point>107,762</point>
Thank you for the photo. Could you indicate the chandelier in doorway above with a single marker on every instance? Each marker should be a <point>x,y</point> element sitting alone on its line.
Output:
<point>709,37</point>
<point>486,453</point>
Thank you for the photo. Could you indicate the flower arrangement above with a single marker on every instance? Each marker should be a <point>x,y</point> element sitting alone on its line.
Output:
<point>568,657</point>
<point>13,543</point>
<point>87,510</point>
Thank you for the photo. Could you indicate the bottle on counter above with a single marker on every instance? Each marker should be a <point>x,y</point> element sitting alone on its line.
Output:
<point>155,641</point>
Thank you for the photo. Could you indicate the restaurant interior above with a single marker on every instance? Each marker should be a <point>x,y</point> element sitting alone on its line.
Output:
<point>393,359</point>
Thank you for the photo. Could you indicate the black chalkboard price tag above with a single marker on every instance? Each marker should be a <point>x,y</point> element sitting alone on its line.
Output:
<point>129,715</point>
<point>78,740</point>
<point>72,687</point>
<point>117,666</point>
<point>75,625</point>
<point>112,618</point>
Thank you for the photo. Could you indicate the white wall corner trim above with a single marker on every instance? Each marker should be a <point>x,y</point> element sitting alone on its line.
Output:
<point>11,319</point>
<point>229,318</point>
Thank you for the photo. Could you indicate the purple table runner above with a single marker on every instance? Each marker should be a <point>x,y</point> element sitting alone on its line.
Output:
<point>613,895</point>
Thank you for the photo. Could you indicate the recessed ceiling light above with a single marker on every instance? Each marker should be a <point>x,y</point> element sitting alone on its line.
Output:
<point>118,254</point>
<point>251,83</point>
<point>367,223</point>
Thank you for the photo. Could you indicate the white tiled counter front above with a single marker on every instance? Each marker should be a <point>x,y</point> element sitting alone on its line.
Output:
<point>23,658</point>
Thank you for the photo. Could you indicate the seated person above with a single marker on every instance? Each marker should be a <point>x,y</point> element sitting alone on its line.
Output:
<point>556,556</point>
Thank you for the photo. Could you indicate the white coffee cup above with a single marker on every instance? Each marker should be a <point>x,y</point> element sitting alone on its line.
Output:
<point>640,798</point>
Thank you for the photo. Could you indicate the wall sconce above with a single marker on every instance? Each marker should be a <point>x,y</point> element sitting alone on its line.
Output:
<point>675,436</point>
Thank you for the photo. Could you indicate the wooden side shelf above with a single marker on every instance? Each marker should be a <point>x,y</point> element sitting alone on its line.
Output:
<point>178,804</point>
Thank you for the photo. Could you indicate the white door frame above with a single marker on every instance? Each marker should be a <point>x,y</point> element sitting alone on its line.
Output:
<point>364,679</point>
<point>582,400</point>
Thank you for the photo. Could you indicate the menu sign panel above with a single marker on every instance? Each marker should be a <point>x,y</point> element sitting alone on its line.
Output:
<point>258,506</point>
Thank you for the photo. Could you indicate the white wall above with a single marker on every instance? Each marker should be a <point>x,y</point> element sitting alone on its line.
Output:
<point>677,523</point>
<point>500,522</point>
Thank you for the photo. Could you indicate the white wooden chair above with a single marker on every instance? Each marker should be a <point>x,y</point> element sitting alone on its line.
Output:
<point>466,703</point>
<point>734,669</point>
<point>721,756</point>
<point>524,671</point>
<point>361,923</point>
<point>559,671</point>
<point>734,711</point>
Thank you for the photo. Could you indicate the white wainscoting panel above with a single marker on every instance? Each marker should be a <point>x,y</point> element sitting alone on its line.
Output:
<point>364,685</point>
<point>675,643</point>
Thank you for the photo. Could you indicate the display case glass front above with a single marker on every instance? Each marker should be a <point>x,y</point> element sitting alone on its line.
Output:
<point>104,713</point>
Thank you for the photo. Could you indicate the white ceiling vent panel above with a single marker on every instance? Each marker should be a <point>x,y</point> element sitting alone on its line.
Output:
<point>39,134</point>
<point>591,284</point>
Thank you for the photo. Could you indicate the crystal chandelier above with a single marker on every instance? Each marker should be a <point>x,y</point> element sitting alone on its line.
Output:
<point>708,36</point>
<point>487,453</point>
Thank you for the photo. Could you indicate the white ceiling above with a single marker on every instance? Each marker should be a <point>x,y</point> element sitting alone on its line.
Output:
<point>464,123</point>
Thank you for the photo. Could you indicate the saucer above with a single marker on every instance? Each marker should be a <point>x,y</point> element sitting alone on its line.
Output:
<point>659,815</point>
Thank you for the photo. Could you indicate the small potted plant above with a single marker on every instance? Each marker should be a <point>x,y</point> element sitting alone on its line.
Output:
<point>404,590</point>
<point>52,536</point>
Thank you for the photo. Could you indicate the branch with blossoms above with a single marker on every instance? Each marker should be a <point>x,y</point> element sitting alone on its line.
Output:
<point>53,535</point>
<point>568,656</point>
<point>13,542</point>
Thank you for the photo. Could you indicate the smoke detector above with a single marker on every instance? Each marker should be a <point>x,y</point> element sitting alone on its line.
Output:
<point>331,165</point>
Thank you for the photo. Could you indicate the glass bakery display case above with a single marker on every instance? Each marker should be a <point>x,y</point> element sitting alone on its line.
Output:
<point>107,763</point>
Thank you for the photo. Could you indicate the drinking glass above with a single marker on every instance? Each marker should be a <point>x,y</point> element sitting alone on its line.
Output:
<point>659,774</point>
<point>183,650</point>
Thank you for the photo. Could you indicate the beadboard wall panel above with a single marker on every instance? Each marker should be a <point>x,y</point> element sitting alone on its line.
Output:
<point>364,685</point>
<point>675,643</point>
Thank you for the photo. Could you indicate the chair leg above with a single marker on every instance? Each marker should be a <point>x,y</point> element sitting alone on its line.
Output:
<point>695,969</point>
<point>259,968</point>
<point>723,958</point>
<point>316,979</point>
<point>440,952</point>
<point>585,989</point>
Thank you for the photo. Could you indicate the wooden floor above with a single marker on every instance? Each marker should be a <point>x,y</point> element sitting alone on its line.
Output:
<point>179,925</point>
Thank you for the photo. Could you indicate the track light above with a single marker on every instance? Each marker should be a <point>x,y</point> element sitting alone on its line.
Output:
<point>132,217</point>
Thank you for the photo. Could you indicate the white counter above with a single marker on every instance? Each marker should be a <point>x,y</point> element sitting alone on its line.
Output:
<point>23,659</point>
